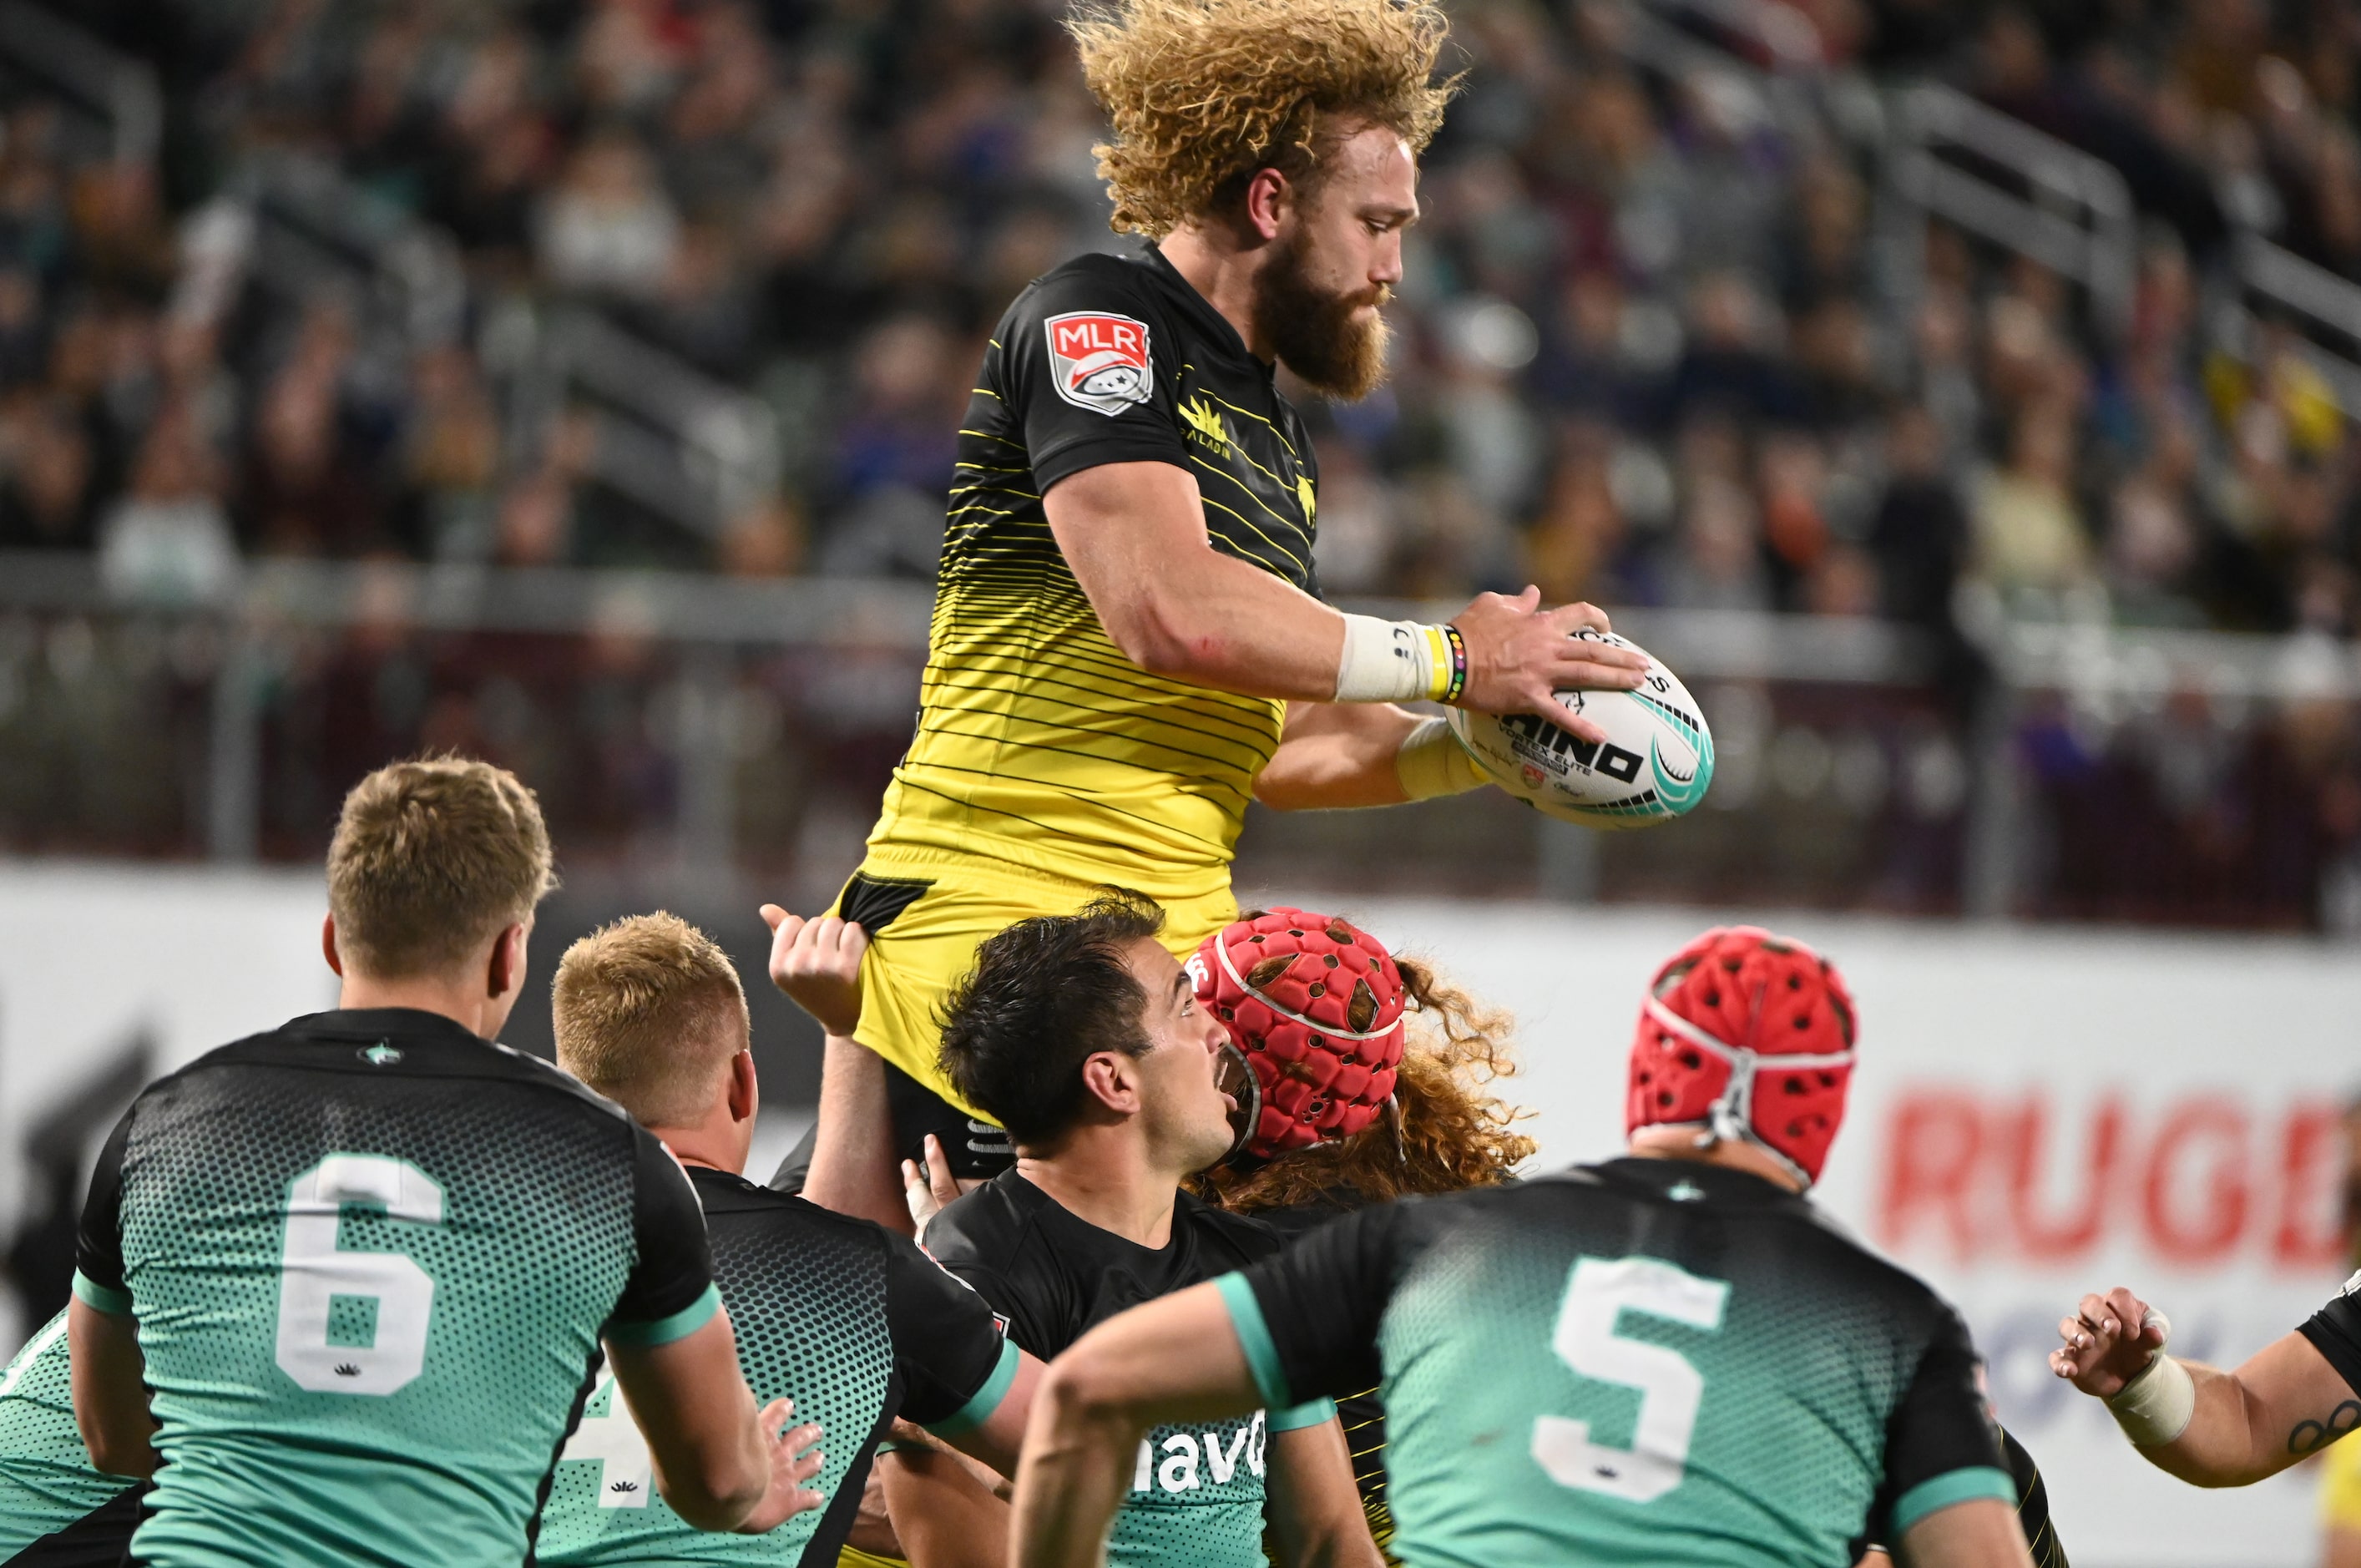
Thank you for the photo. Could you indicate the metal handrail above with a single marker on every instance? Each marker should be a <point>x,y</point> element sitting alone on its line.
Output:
<point>2149,663</point>
<point>706,608</point>
<point>1786,36</point>
<point>113,88</point>
<point>2309,290</point>
<point>313,225</point>
<point>679,606</point>
<point>2100,255</point>
<point>692,447</point>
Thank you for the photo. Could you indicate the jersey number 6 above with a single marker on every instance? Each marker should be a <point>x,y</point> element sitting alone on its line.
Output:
<point>389,1298</point>
<point>1599,1291</point>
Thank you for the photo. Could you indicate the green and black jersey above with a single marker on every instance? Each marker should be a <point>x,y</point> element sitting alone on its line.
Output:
<point>1196,1496</point>
<point>56,1511</point>
<point>853,1323</point>
<point>371,1257</point>
<point>1639,1363</point>
<point>1038,742</point>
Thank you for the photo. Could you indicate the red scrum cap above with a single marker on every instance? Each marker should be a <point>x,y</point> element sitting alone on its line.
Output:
<point>1746,1035</point>
<point>1314,1005</point>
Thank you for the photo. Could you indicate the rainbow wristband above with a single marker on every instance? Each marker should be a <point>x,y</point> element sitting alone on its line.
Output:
<point>1455,682</point>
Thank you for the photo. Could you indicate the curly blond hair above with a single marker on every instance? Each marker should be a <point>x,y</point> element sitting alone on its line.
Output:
<point>1204,92</point>
<point>1452,1134</point>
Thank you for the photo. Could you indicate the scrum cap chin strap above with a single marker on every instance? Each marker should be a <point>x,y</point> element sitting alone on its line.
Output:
<point>1731,1115</point>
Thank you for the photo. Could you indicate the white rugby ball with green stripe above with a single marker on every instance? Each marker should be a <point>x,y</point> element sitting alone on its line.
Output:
<point>1654,765</point>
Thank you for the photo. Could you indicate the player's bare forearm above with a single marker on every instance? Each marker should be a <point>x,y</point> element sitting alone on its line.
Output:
<point>852,1168</point>
<point>1134,534</point>
<point>1175,1358</point>
<point>110,1389</point>
<point>1315,1506</point>
<point>1980,1533</point>
<point>2275,1411</point>
<point>945,1514</point>
<point>1336,754</point>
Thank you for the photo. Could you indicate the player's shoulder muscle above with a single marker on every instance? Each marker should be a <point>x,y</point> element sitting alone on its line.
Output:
<point>1093,332</point>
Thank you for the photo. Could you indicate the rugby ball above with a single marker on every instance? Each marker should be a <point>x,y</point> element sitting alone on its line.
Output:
<point>1654,765</point>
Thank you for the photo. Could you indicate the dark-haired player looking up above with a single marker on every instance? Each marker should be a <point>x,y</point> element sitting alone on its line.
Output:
<point>1082,1036</point>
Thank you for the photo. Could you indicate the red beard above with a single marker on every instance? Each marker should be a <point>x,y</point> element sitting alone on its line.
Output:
<point>1315,331</point>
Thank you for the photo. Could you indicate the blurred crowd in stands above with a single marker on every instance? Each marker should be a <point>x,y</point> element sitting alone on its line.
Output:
<point>1650,349</point>
<point>1666,339</point>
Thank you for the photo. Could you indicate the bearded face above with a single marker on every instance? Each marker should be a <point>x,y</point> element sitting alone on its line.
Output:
<point>1334,338</point>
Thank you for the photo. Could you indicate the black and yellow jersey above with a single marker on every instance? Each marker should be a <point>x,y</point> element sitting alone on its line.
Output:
<point>1038,744</point>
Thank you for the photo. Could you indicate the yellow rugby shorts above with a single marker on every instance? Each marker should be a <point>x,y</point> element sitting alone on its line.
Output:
<point>848,1557</point>
<point>2340,1485</point>
<point>926,918</point>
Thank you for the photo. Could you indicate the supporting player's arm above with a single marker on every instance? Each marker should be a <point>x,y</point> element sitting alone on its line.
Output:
<point>2208,1427</point>
<point>110,1388</point>
<point>1134,535</point>
<point>1173,1359</point>
<point>1315,1507</point>
<point>818,963</point>
<point>721,1463</point>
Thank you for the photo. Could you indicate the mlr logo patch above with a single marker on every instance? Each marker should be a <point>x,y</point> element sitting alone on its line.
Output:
<point>1100,361</point>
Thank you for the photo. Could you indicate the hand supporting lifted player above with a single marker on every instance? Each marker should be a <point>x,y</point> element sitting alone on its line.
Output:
<point>817,963</point>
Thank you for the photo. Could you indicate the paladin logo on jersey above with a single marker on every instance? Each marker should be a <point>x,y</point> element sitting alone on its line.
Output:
<point>1099,361</point>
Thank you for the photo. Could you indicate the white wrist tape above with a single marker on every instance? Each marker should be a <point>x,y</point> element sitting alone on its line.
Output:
<point>2153,1408</point>
<point>1433,762</point>
<point>1387,661</point>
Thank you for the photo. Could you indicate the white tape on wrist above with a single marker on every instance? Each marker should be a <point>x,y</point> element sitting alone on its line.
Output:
<point>1432,763</point>
<point>1385,661</point>
<point>2154,1407</point>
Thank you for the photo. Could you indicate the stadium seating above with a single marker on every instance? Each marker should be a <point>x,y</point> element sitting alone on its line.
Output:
<point>1713,310</point>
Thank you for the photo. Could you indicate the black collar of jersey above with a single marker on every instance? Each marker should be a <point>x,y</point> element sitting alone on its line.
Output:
<point>1716,1183</point>
<point>1023,1204</point>
<point>415,1024</point>
<point>718,1189</point>
<point>1201,312</point>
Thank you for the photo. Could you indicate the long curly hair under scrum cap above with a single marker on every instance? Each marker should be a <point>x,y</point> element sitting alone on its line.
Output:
<point>1204,92</point>
<point>1452,1135</point>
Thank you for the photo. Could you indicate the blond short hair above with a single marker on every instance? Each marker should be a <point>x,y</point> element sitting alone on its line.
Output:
<point>1201,93</point>
<point>431,859</point>
<point>649,1012</point>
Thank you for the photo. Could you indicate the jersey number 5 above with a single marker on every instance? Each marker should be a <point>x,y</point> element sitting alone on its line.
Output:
<point>1599,1292</point>
<point>380,1345</point>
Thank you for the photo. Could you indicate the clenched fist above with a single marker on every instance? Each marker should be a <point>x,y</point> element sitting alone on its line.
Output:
<point>817,964</point>
<point>2110,1340</point>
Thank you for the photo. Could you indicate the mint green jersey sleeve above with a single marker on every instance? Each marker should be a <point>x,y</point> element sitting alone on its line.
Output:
<point>672,1326</point>
<point>1953,1487</point>
<point>1254,1338</point>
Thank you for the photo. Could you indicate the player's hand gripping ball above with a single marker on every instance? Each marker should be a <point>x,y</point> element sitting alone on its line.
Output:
<point>1656,763</point>
<point>1315,1006</point>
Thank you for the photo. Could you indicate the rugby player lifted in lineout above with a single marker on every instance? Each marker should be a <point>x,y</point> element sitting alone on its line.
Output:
<point>1128,643</point>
